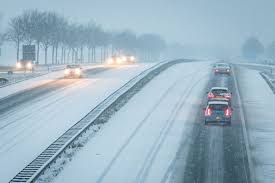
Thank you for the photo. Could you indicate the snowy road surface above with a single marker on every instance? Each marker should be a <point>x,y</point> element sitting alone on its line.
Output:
<point>28,128</point>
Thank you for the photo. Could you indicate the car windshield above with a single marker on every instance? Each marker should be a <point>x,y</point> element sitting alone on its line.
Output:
<point>219,91</point>
<point>221,65</point>
<point>72,66</point>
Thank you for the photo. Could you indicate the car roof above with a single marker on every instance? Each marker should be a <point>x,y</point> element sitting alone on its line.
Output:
<point>219,99</point>
<point>218,102</point>
<point>219,88</point>
<point>73,65</point>
<point>221,63</point>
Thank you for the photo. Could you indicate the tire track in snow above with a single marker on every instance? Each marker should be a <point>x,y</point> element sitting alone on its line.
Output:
<point>149,161</point>
<point>127,142</point>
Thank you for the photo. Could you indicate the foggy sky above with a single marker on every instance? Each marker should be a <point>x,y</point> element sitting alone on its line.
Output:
<point>213,23</point>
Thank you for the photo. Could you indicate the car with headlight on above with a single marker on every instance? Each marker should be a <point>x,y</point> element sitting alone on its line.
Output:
<point>222,68</point>
<point>218,112</point>
<point>115,60</point>
<point>219,92</point>
<point>128,59</point>
<point>73,71</point>
<point>24,65</point>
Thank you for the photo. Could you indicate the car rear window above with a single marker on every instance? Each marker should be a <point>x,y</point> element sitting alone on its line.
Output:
<point>218,107</point>
<point>219,91</point>
<point>222,65</point>
<point>72,66</point>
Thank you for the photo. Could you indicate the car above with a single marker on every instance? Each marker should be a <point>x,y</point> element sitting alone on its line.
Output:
<point>115,60</point>
<point>73,71</point>
<point>24,65</point>
<point>219,92</point>
<point>128,59</point>
<point>222,68</point>
<point>221,99</point>
<point>219,112</point>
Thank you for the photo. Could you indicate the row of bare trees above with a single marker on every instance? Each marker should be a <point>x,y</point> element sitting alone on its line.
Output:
<point>72,42</point>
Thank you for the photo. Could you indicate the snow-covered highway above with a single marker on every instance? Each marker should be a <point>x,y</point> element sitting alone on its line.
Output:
<point>157,135</point>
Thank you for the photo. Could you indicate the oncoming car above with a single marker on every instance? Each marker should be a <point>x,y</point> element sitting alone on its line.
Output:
<point>219,112</point>
<point>128,59</point>
<point>222,68</point>
<point>24,65</point>
<point>124,59</point>
<point>73,71</point>
<point>115,60</point>
<point>219,92</point>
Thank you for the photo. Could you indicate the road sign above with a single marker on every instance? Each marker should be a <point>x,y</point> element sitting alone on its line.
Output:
<point>28,53</point>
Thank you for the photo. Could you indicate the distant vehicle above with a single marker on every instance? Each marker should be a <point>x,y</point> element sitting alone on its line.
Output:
<point>24,65</point>
<point>129,59</point>
<point>73,71</point>
<point>115,60</point>
<point>219,92</point>
<point>222,68</point>
<point>219,112</point>
<point>124,59</point>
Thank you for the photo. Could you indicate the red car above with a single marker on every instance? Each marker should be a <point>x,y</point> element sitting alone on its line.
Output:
<point>219,92</point>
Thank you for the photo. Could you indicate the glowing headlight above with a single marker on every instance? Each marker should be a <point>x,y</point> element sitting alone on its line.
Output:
<point>132,58</point>
<point>119,60</point>
<point>77,71</point>
<point>67,71</point>
<point>29,65</point>
<point>110,61</point>
<point>123,59</point>
<point>18,65</point>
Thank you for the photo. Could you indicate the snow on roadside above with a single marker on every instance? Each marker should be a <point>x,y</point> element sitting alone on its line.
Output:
<point>259,105</point>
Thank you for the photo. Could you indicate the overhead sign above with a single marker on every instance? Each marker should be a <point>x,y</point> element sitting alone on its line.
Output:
<point>28,52</point>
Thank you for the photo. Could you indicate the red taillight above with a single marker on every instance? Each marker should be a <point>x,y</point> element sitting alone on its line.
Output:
<point>210,95</point>
<point>227,112</point>
<point>228,96</point>
<point>207,112</point>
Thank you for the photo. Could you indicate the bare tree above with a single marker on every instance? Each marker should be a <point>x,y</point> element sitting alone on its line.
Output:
<point>16,33</point>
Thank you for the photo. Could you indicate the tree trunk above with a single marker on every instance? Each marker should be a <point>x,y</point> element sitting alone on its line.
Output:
<point>56,54</point>
<point>53,48</point>
<point>62,55</point>
<point>81,54</point>
<point>46,55</point>
<point>94,54</point>
<point>72,56</point>
<point>17,50</point>
<point>37,54</point>
<point>89,54</point>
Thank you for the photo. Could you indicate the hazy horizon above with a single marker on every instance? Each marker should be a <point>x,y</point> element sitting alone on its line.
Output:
<point>212,24</point>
